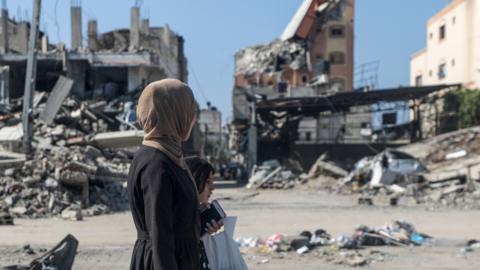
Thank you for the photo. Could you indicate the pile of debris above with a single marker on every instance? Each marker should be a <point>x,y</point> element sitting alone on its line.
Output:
<point>61,180</point>
<point>395,233</point>
<point>444,170</point>
<point>68,173</point>
<point>271,174</point>
<point>270,58</point>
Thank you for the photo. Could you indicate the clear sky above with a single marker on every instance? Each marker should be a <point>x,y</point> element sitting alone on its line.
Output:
<point>388,31</point>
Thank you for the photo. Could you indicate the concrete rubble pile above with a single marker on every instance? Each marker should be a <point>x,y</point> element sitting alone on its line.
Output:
<point>63,181</point>
<point>345,249</point>
<point>272,175</point>
<point>444,170</point>
<point>68,175</point>
<point>269,58</point>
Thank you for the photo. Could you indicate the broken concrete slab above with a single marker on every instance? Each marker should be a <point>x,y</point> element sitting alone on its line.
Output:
<point>60,91</point>
<point>72,214</point>
<point>324,167</point>
<point>11,160</point>
<point>119,139</point>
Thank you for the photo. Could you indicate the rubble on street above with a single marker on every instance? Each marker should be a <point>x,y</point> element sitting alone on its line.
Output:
<point>68,175</point>
<point>271,174</point>
<point>348,250</point>
<point>442,171</point>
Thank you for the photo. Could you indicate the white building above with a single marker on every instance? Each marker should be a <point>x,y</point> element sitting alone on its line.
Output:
<point>452,52</point>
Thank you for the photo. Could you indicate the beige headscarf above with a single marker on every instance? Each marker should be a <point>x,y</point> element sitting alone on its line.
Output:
<point>165,111</point>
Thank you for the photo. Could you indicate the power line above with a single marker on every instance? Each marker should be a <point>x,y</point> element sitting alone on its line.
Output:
<point>198,83</point>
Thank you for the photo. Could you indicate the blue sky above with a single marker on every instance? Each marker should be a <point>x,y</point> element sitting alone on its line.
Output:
<point>386,30</point>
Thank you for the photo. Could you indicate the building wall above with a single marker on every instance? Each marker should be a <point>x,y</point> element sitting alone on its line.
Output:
<point>323,44</point>
<point>457,51</point>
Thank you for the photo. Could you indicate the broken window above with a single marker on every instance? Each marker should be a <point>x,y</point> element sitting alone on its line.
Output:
<point>337,31</point>
<point>322,67</point>
<point>337,58</point>
<point>389,118</point>
<point>418,80</point>
<point>442,32</point>
<point>304,79</point>
<point>282,87</point>
<point>308,136</point>
<point>441,71</point>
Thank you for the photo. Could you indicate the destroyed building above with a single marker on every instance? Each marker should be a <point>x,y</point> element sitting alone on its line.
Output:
<point>111,64</point>
<point>288,104</point>
<point>312,57</point>
<point>316,48</point>
<point>83,118</point>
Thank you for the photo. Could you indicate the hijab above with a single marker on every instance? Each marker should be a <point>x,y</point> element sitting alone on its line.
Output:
<point>166,111</point>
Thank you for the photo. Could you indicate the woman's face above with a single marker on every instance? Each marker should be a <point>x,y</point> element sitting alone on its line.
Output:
<point>207,191</point>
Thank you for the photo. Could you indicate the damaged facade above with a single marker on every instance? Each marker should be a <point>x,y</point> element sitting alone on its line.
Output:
<point>313,57</point>
<point>288,102</point>
<point>82,114</point>
<point>112,63</point>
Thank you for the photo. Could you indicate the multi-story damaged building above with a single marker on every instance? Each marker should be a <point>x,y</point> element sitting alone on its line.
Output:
<point>292,98</point>
<point>313,56</point>
<point>108,65</point>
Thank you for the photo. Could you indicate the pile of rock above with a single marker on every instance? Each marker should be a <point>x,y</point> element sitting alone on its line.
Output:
<point>273,175</point>
<point>61,179</point>
<point>442,171</point>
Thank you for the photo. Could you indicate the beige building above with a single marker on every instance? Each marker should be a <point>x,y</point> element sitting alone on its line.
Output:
<point>452,52</point>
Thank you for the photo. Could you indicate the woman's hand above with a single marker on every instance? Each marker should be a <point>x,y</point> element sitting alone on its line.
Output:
<point>213,226</point>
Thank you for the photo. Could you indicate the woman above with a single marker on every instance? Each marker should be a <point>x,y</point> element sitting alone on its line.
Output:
<point>163,197</point>
<point>203,173</point>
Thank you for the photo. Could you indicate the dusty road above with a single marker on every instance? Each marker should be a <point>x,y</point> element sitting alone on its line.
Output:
<point>106,241</point>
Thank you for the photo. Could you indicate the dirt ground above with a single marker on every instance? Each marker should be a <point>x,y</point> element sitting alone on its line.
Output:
<point>106,241</point>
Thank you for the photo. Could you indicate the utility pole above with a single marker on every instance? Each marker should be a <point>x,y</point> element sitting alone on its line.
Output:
<point>30,79</point>
<point>252,137</point>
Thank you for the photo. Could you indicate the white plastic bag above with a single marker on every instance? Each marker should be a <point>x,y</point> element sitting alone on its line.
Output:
<point>222,251</point>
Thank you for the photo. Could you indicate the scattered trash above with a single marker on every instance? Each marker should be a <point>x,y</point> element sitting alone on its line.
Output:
<point>471,246</point>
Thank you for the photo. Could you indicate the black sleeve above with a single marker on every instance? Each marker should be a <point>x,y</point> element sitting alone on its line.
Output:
<point>158,193</point>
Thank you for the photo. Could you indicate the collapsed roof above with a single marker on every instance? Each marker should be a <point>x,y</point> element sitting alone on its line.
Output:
<point>270,58</point>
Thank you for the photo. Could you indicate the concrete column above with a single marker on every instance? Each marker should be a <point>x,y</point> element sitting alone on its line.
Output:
<point>182,62</point>
<point>76,25</point>
<point>22,37</point>
<point>77,72</point>
<point>145,26</point>
<point>134,28</point>
<point>44,44</point>
<point>4,25</point>
<point>92,35</point>
<point>166,35</point>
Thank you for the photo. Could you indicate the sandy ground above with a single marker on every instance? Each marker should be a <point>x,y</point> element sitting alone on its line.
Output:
<point>106,241</point>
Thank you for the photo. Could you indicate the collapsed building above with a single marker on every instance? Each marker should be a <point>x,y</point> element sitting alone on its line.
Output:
<point>112,63</point>
<point>294,98</point>
<point>82,114</point>
<point>313,57</point>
